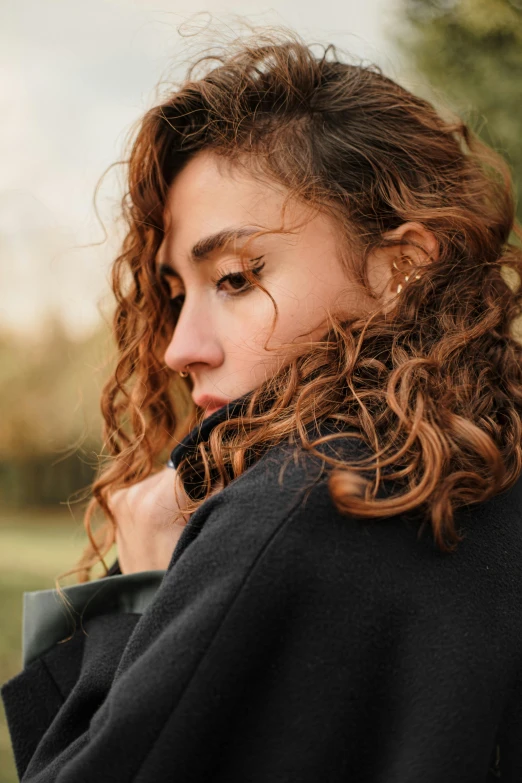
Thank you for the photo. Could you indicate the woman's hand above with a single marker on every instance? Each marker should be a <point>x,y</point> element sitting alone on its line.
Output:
<point>145,532</point>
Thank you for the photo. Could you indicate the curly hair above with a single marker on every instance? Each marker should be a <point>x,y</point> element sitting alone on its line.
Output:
<point>433,388</point>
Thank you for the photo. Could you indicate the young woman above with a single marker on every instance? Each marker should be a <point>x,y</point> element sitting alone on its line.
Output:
<point>315,309</point>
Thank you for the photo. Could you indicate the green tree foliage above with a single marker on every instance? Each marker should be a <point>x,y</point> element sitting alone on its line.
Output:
<point>50,389</point>
<point>50,430</point>
<point>472,51</point>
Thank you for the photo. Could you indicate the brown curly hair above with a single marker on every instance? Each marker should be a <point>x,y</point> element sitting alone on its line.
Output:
<point>433,388</point>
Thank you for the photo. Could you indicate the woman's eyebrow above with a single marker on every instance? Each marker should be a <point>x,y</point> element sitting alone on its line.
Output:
<point>210,244</point>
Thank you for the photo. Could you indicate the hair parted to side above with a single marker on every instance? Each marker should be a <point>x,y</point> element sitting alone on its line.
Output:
<point>434,387</point>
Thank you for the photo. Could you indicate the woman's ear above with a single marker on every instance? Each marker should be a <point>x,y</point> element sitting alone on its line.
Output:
<point>391,268</point>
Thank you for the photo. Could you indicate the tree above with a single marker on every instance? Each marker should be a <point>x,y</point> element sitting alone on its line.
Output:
<point>472,51</point>
<point>50,434</point>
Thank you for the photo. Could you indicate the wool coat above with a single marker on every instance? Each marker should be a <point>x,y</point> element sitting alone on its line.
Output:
<point>285,643</point>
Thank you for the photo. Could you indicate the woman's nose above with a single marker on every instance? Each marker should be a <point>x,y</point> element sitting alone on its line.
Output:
<point>195,339</point>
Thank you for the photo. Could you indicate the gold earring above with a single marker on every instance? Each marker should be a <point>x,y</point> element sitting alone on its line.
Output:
<point>413,269</point>
<point>405,277</point>
<point>184,373</point>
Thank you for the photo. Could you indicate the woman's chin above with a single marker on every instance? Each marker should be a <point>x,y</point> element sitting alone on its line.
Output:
<point>210,411</point>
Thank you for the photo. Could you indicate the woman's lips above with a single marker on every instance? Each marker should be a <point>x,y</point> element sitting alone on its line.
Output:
<point>210,404</point>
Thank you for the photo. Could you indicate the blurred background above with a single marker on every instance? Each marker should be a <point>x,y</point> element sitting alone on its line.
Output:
<point>74,78</point>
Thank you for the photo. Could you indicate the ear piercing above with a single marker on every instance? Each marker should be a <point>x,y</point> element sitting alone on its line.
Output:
<point>400,286</point>
<point>184,373</point>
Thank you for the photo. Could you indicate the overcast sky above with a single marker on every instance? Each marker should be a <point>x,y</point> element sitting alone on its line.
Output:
<point>74,76</point>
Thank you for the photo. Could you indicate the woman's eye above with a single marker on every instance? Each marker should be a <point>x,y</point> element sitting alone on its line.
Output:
<point>238,280</point>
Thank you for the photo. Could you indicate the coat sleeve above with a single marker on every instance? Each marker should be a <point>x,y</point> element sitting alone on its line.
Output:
<point>56,638</point>
<point>163,705</point>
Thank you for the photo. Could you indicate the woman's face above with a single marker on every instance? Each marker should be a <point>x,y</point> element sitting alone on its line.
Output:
<point>223,322</point>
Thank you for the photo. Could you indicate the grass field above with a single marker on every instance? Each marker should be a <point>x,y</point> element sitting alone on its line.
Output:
<point>35,547</point>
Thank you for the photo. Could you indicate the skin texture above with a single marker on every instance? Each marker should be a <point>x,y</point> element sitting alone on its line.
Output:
<point>222,334</point>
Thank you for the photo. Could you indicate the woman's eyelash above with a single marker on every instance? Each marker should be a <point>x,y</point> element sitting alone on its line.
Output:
<point>239,277</point>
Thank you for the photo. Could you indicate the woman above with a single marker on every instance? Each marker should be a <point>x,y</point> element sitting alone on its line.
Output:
<point>324,582</point>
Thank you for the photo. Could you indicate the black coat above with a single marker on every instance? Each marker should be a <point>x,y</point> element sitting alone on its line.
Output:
<point>287,643</point>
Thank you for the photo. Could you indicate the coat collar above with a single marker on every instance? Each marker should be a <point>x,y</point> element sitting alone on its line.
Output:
<point>200,432</point>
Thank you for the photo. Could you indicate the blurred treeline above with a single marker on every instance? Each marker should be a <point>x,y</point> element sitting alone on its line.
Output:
<point>50,428</point>
<point>470,51</point>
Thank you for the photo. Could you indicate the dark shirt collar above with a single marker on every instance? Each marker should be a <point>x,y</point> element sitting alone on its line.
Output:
<point>194,480</point>
<point>201,432</point>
